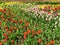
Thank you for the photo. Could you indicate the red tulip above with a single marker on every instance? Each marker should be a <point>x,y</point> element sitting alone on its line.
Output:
<point>39,41</point>
<point>5,35</point>
<point>24,37</point>
<point>58,7</point>
<point>0,22</point>
<point>48,44</point>
<point>5,40</point>
<point>49,12</point>
<point>4,9</point>
<point>12,41</point>
<point>0,43</point>
<point>25,33</point>
<point>28,31</point>
<point>45,8</point>
<point>11,28</point>
<point>5,27</point>
<point>20,21</point>
<point>52,42</point>
<point>33,32</point>
<point>48,7</point>
<point>9,31</point>
<point>39,32</point>
<point>27,24</point>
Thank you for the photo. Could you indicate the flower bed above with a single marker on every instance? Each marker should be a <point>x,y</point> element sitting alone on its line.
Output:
<point>29,24</point>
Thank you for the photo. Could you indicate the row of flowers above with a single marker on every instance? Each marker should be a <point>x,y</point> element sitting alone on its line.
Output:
<point>25,4</point>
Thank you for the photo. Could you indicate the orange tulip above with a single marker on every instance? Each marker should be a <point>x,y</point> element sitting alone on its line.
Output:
<point>33,32</point>
<point>39,32</point>
<point>25,33</point>
<point>24,37</point>
<point>27,24</point>
<point>1,10</point>
<point>52,42</point>
<point>48,44</point>
<point>54,9</point>
<point>28,31</point>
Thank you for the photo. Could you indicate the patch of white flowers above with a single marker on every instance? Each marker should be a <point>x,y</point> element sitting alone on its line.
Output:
<point>40,13</point>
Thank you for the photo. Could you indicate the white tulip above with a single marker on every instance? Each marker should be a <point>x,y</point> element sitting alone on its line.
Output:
<point>42,16</point>
<point>56,22</point>
<point>46,19</point>
<point>51,11</point>
<point>50,17</point>
<point>47,16</point>
<point>57,17</point>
